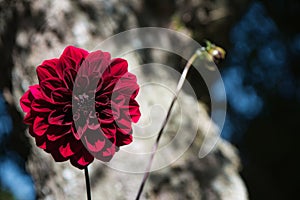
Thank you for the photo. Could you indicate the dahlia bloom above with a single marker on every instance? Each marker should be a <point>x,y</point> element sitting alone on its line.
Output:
<point>83,106</point>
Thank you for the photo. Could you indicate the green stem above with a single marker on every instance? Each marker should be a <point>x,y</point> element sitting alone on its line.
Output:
<point>155,146</point>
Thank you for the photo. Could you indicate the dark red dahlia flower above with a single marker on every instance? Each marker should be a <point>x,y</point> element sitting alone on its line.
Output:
<point>82,107</point>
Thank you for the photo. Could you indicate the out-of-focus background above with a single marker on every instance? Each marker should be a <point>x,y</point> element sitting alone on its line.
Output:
<point>261,75</point>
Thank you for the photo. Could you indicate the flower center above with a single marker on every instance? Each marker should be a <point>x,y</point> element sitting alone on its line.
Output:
<point>84,105</point>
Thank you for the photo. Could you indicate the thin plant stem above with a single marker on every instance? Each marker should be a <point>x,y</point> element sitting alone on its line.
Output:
<point>87,183</point>
<point>155,146</point>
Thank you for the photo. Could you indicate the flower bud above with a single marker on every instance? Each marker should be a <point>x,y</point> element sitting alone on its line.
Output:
<point>217,53</point>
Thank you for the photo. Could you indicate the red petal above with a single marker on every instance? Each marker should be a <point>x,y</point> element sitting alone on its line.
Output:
<point>42,146</point>
<point>35,91</point>
<point>82,82</point>
<point>81,159</point>
<point>58,157</point>
<point>123,123</point>
<point>76,145</point>
<point>126,86</point>
<point>85,160</point>
<point>58,117</point>
<point>29,118</point>
<point>95,63</point>
<point>124,130</point>
<point>74,53</point>
<point>25,102</point>
<point>61,95</point>
<point>70,58</point>
<point>109,152</point>
<point>134,111</point>
<point>69,78</point>
<point>79,131</point>
<point>119,67</point>
<point>123,139</point>
<point>94,140</point>
<point>109,130</point>
<point>41,141</point>
<point>50,84</point>
<point>95,146</point>
<point>40,105</point>
<point>47,69</point>
<point>106,116</point>
<point>40,126</point>
<point>65,150</point>
<point>56,132</point>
